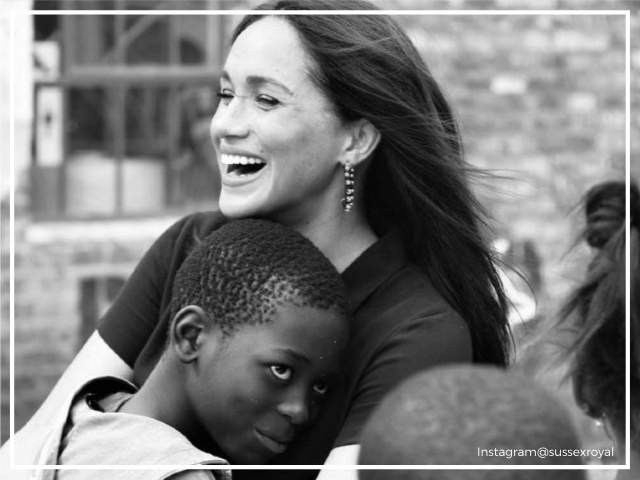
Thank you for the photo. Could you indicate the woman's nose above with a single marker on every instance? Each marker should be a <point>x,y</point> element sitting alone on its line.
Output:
<point>230,120</point>
<point>295,406</point>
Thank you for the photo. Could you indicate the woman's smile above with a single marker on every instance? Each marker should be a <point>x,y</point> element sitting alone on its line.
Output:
<point>277,138</point>
<point>240,169</point>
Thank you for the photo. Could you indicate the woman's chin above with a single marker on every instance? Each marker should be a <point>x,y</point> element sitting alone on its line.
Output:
<point>235,208</point>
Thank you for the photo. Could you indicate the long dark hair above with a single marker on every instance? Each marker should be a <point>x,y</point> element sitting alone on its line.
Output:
<point>594,314</point>
<point>417,181</point>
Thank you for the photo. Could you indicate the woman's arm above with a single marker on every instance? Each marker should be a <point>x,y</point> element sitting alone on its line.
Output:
<point>95,359</point>
<point>134,309</point>
<point>122,333</point>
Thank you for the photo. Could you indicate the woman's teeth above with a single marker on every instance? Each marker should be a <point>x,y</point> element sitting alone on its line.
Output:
<point>241,164</point>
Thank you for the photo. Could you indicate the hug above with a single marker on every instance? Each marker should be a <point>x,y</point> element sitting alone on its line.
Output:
<point>349,253</point>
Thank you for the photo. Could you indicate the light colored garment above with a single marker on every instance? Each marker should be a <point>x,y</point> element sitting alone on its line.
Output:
<point>95,433</point>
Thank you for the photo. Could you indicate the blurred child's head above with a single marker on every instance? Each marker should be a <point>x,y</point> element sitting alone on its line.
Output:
<point>259,324</point>
<point>462,415</point>
<point>595,313</point>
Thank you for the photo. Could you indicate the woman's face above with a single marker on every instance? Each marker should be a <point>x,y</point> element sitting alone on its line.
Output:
<point>276,136</point>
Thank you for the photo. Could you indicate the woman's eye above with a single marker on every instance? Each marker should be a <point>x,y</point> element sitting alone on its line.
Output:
<point>267,101</point>
<point>225,96</point>
<point>281,372</point>
<point>321,388</point>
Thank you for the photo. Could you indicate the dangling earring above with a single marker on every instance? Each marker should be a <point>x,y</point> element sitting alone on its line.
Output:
<point>349,187</point>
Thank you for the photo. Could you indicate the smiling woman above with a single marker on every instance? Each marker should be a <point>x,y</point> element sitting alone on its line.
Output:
<point>334,126</point>
<point>272,113</point>
<point>240,165</point>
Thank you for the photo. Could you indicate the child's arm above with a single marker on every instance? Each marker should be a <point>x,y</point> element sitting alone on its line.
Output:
<point>121,335</point>
<point>95,359</point>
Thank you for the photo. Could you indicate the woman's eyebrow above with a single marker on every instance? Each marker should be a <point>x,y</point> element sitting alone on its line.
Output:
<point>258,80</point>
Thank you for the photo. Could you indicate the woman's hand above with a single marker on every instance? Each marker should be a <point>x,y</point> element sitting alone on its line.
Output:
<point>95,359</point>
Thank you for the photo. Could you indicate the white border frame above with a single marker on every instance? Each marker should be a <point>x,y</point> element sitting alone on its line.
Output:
<point>13,14</point>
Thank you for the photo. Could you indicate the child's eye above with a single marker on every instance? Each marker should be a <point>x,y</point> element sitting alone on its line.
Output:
<point>225,96</point>
<point>281,372</point>
<point>321,388</point>
<point>267,101</point>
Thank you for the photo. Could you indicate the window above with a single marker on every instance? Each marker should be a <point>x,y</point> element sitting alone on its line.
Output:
<point>122,111</point>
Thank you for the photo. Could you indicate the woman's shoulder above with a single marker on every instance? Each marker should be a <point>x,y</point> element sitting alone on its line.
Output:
<point>389,292</point>
<point>411,292</point>
<point>201,223</point>
<point>384,277</point>
<point>403,327</point>
<point>406,312</point>
<point>422,312</point>
<point>187,231</point>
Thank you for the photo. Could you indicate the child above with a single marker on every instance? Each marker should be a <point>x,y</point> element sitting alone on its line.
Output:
<point>259,323</point>
<point>594,316</point>
<point>463,415</point>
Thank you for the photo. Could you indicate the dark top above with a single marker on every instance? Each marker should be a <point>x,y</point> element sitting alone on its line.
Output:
<point>400,325</point>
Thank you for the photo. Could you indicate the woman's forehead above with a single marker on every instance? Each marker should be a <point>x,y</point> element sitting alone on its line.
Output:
<point>269,48</point>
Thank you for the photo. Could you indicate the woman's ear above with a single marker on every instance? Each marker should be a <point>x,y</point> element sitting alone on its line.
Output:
<point>362,141</point>
<point>187,331</point>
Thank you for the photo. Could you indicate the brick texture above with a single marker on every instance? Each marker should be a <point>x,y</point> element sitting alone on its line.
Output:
<point>542,105</point>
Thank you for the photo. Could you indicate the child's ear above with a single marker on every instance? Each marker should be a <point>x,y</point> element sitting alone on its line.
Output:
<point>187,332</point>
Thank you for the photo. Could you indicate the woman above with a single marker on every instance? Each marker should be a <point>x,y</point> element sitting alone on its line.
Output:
<point>595,318</point>
<point>335,127</point>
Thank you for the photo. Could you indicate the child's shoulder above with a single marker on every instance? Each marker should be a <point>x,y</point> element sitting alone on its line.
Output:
<point>97,434</point>
<point>98,431</point>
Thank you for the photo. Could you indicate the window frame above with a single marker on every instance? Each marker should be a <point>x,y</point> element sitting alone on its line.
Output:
<point>117,77</point>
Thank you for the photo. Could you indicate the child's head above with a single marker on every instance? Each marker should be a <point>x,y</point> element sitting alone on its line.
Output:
<point>462,415</point>
<point>595,313</point>
<point>259,323</point>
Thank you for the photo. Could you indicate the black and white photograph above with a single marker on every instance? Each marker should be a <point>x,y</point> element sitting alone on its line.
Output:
<point>319,239</point>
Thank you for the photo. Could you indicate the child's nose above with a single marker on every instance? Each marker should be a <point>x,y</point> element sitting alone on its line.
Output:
<point>295,406</point>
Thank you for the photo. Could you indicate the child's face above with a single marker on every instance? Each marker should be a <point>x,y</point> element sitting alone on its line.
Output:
<point>254,391</point>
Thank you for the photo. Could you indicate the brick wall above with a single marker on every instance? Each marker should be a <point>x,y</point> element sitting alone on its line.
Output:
<point>52,319</point>
<point>541,100</point>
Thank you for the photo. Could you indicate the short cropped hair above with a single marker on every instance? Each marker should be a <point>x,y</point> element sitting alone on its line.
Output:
<point>243,271</point>
<point>449,415</point>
